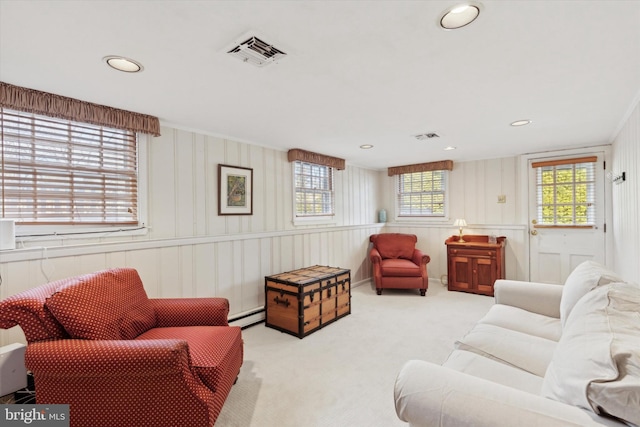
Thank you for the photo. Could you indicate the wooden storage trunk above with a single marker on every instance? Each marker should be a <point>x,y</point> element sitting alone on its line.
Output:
<point>302,301</point>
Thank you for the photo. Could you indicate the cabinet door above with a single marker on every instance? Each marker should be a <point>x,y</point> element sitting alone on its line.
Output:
<point>461,275</point>
<point>485,274</point>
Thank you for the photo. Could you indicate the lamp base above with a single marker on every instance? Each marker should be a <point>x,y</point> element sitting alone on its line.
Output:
<point>460,239</point>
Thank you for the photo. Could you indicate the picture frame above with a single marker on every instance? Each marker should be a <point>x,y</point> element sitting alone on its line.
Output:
<point>235,190</point>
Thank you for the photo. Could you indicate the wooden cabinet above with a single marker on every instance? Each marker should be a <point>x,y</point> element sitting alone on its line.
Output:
<point>475,264</point>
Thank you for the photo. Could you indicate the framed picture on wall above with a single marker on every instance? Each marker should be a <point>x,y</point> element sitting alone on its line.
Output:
<point>235,190</point>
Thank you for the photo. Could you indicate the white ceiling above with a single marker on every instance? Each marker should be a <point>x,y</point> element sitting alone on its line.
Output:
<point>357,72</point>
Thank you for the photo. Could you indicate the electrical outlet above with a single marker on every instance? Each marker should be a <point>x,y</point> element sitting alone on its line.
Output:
<point>502,198</point>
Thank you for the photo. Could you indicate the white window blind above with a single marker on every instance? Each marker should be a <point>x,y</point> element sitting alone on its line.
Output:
<point>566,192</point>
<point>57,171</point>
<point>422,193</point>
<point>314,195</point>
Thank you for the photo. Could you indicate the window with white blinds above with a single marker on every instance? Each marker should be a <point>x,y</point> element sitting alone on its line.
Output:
<point>62,172</point>
<point>422,193</point>
<point>566,192</point>
<point>314,195</point>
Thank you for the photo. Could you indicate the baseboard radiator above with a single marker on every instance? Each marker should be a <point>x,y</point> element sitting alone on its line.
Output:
<point>248,318</point>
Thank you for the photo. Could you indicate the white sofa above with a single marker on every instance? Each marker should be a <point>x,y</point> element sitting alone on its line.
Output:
<point>544,355</point>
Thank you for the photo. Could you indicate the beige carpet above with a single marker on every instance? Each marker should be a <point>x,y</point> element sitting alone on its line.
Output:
<point>343,374</point>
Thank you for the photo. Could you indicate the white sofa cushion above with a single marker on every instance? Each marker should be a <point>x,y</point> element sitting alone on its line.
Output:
<point>584,278</point>
<point>597,361</point>
<point>428,395</point>
<point>527,352</point>
<point>497,372</point>
<point>524,321</point>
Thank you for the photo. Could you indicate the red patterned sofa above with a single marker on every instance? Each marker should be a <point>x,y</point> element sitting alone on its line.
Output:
<point>119,358</point>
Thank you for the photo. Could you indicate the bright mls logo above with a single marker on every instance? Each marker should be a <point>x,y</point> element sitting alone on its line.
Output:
<point>35,415</point>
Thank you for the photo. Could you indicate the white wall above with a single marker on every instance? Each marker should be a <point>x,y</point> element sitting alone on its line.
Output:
<point>190,250</point>
<point>474,188</point>
<point>626,199</point>
<point>183,185</point>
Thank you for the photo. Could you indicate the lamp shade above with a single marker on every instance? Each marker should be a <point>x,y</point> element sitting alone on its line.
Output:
<point>460,222</point>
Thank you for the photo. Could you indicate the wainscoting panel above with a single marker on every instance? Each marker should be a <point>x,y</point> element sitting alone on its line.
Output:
<point>232,267</point>
<point>626,199</point>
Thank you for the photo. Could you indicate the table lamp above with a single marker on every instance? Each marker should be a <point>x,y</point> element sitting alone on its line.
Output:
<point>460,223</point>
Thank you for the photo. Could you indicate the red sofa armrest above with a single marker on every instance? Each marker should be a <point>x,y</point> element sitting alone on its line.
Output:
<point>191,311</point>
<point>419,258</point>
<point>91,375</point>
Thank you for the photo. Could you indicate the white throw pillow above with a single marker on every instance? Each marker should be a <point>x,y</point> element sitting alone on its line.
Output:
<point>596,364</point>
<point>584,278</point>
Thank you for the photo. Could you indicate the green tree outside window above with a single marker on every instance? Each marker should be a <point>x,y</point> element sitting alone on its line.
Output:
<point>566,194</point>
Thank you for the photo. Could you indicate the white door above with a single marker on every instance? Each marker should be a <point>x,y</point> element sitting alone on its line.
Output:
<point>566,214</point>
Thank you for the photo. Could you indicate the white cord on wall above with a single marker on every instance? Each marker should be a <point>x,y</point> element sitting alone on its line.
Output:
<point>44,263</point>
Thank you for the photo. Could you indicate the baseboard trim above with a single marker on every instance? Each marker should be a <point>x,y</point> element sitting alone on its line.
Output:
<point>248,318</point>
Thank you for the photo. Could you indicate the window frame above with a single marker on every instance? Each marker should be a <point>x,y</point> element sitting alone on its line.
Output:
<point>325,218</point>
<point>47,231</point>
<point>428,218</point>
<point>591,191</point>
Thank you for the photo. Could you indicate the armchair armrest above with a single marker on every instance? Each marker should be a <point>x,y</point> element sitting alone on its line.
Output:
<point>191,311</point>
<point>374,256</point>
<point>97,358</point>
<point>123,374</point>
<point>431,395</point>
<point>541,298</point>
<point>419,258</point>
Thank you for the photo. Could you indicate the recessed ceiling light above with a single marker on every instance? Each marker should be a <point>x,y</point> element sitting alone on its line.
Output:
<point>520,122</point>
<point>459,16</point>
<point>121,63</point>
<point>366,146</point>
<point>449,148</point>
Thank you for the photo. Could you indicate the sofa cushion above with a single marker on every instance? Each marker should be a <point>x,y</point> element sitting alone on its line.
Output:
<point>597,362</point>
<point>214,350</point>
<point>584,278</point>
<point>517,319</point>
<point>107,305</point>
<point>399,268</point>
<point>527,352</point>
<point>494,371</point>
<point>395,245</point>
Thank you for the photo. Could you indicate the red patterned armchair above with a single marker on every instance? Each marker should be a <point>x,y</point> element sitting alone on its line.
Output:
<point>118,358</point>
<point>397,263</point>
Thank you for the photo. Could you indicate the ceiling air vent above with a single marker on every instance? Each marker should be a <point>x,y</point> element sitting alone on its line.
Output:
<point>256,52</point>
<point>424,136</point>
